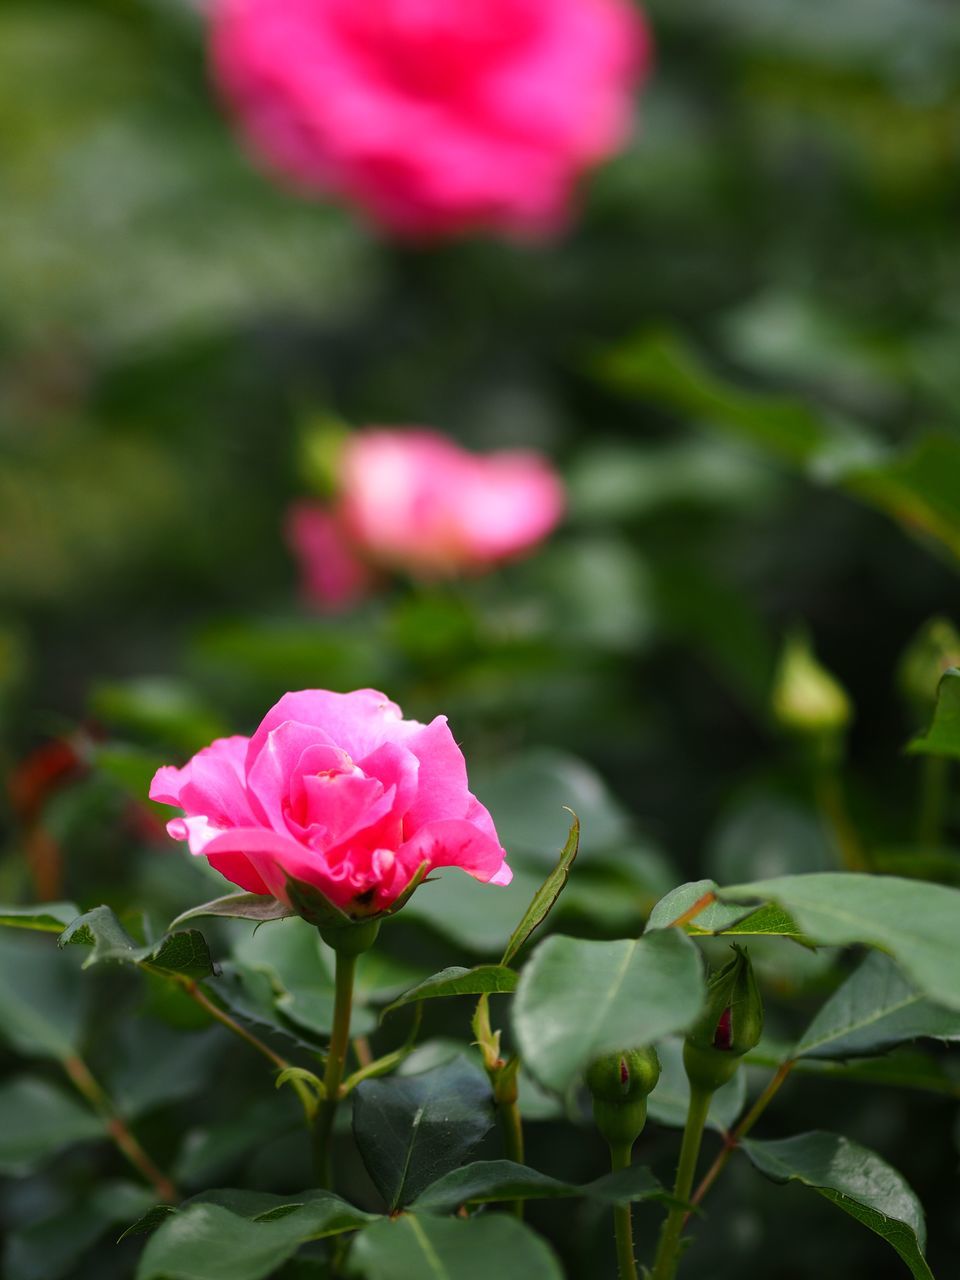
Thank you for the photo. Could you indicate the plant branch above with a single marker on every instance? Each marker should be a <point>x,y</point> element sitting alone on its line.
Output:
<point>336,1060</point>
<point>620,1157</point>
<point>668,1250</point>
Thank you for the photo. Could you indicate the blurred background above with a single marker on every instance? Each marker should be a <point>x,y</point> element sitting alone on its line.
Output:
<point>743,360</point>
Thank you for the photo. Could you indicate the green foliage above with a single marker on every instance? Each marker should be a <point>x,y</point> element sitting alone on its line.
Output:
<point>856,1181</point>
<point>942,738</point>
<point>451,1249</point>
<point>37,1121</point>
<point>183,953</point>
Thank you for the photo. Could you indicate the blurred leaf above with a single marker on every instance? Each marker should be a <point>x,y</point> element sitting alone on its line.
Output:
<point>579,999</point>
<point>876,1008</point>
<point>37,1121</point>
<point>477,917</point>
<point>451,1249</point>
<point>485,979</point>
<point>53,1246</point>
<point>413,1129</point>
<point>668,1102</point>
<point>916,923</point>
<point>856,1181</point>
<point>546,895</point>
<point>42,1005</point>
<point>51,917</point>
<point>182,953</point>
<point>942,738</point>
<point>161,709</point>
<point>763,834</point>
<point>718,918</point>
<point>151,1065</point>
<point>211,1152</point>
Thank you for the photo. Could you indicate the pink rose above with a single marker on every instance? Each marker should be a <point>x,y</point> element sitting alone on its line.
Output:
<point>332,576</point>
<point>435,116</point>
<point>338,792</point>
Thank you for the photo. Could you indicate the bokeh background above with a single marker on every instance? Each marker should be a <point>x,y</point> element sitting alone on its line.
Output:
<point>743,358</point>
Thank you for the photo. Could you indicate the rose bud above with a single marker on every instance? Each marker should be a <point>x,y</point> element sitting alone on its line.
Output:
<point>336,806</point>
<point>730,1025</point>
<point>436,118</point>
<point>806,700</point>
<point>934,649</point>
<point>620,1083</point>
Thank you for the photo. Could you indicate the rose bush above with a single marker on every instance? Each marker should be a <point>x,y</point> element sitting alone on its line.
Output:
<point>433,117</point>
<point>338,792</point>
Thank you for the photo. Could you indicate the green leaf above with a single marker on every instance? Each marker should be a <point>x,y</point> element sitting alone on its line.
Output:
<point>486,1181</point>
<point>475,916</point>
<point>578,999</point>
<point>451,1249</point>
<point>718,918</point>
<point>857,1181</point>
<point>36,1121</point>
<point>413,1129</point>
<point>210,1153</point>
<point>668,1102</point>
<point>51,917</point>
<point>205,1241</point>
<point>917,923</point>
<point>876,1008</point>
<point>185,953</point>
<point>546,895</point>
<point>51,1247</point>
<point>485,979</point>
<point>942,738</point>
<point>42,998</point>
<point>238,906</point>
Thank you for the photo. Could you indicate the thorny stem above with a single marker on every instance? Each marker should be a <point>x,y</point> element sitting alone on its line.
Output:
<point>120,1134</point>
<point>732,1140</point>
<point>336,1060</point>
<point>620,1156</point>
<point>668,1250</point>
<point>933,797</point>
<point>204,1001</point>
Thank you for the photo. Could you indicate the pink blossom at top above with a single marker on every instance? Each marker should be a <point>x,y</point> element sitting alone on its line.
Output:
<point>434,116</point>
<point>413,499</point>
<point>338,792</point>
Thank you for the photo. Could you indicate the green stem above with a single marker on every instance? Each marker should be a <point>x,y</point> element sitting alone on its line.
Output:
<point>620,1157</point>
<point>833,808</point>
<point>336,1061</point>
<point>511,1126</point>
<point>668,1250</point>
<point>933,799</point>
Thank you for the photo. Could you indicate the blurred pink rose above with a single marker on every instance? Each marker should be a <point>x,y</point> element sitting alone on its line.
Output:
<point>336,791</point>
<point>332,576</point>
<point>435,116</point>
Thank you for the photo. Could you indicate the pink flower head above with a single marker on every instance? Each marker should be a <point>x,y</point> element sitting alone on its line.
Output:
<point>332,575</point>
<point>338,792</point>
<point>435,116</point>
<point>414,500</point>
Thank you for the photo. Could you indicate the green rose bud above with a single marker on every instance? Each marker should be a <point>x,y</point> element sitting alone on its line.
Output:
<point>806,700</point>
<point>620,1083</point>
<point>934,649</point>
<point>730,1025</point>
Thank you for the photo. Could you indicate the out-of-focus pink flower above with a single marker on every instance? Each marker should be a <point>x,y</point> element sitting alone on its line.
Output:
<point>336,792</point>
<point>412,499</point>
<point>434,116</point>
<point>332,576</point>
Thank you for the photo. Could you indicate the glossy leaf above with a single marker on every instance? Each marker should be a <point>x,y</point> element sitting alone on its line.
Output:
<point>668,1102</point>
<point>42,997</point>
<point>412,1245</point>
<point>876,1008</point>
<point>238,906</point>
<point>205,1241</point>
<point>916,923</point>
<point>52,1247</point>
<point>185,953</point>
<point>413,1129</point>
<point>51,917</point>
<point>37,1120</point>
<point>578,999</point>
<point>546,895</point>
<point>718,918</point>
<point>485,979</point>
<point>942,738</point>
<point>857,1181</point>
<point>487,1181</point>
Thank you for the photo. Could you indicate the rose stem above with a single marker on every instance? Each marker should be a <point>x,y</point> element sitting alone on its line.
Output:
<point>511,1126</point>
<point>336,1060</point>
<point>620,1158</point>
<point>665,1266</point>
<point>120,1134</point>
<point>195,993</point>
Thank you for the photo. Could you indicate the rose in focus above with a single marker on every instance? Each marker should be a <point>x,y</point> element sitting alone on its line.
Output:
<point>413,500</point>
<point>337,792</point>
<point>434,117</point>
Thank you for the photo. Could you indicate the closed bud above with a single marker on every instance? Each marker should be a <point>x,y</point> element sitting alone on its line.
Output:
<point>806,699</point>
<point>730,1025</point>
<point>620,1083</point>
<point>934,649</point>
